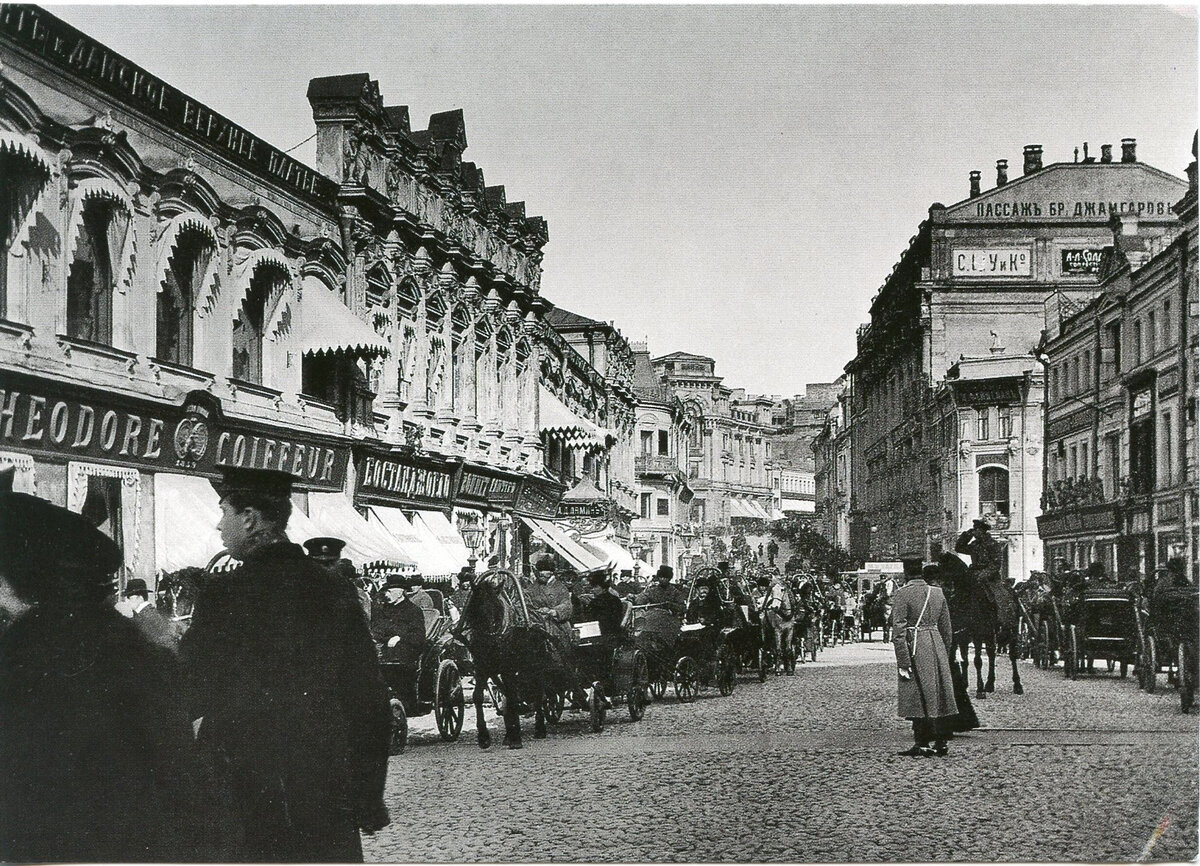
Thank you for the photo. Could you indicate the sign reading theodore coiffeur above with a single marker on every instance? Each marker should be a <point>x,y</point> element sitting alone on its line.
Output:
<point>69,422</point>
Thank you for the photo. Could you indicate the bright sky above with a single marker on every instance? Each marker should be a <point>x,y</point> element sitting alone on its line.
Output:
<point>735,181</point>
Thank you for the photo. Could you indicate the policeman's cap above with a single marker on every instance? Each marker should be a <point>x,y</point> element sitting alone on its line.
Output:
<point>324,547</point>
<point>259,482</point>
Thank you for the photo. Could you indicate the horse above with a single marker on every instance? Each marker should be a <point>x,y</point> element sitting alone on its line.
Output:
<point>976,620</point>
<point>778,626</point>
<point>511,649</point>
<point>876,612</point>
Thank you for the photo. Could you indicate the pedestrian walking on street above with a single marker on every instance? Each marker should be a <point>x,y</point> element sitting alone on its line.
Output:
<point>282,673</point>
<point>925,687</point>
<point>94,741</point>
<point>966,719</point>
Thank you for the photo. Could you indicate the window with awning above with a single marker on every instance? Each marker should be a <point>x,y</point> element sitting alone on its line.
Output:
<point>433,561</point>
<point>367,544</point>
<point>558,419</point>
<point>438,526</point>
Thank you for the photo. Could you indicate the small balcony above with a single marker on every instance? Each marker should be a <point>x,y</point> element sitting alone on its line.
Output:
<point>646,464</point>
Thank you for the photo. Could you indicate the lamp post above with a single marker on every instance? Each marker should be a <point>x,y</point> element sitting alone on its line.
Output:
<point>636,546</point>
<point>687,535</point>
<point>472,533</point>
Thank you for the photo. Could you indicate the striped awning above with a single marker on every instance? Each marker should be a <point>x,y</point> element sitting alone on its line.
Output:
<point>329,327</point>
<point>367,544</point>
<point>581,558</point>
<point>558,419</point>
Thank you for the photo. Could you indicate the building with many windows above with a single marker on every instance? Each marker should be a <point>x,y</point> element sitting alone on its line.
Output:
<point>1120,475</point>
<point>178,296</point>
<point>831,470</point>
<point>729,450</point>
<point>944,387</point>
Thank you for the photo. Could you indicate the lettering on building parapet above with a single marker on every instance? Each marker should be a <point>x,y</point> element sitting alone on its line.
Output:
<point>1101,210</point>
<point>76,54</point>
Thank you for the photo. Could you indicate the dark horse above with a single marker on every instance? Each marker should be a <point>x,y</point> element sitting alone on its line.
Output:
<point>510,649</point>
<point>876,612</point>
<point>975,619</point>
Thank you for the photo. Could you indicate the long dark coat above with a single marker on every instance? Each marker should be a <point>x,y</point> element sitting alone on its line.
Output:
<point>282,669</point>
<point>929,693</point>
<point>95,746</point>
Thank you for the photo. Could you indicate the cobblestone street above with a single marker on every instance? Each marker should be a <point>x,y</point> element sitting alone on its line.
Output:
<point>804,768</point>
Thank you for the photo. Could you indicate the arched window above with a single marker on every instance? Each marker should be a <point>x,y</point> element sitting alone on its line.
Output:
<point>462,345</point>
<point>177,294</point>
<point>993,491</point>
<point>92,278</point>
<point>22,179</point>
<point>249,327</point>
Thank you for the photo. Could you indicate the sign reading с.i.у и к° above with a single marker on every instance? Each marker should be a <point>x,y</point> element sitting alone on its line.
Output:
<point>992,262</point>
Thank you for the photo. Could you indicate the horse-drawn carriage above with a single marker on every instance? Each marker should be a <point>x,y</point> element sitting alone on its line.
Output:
<point>1172,619</point>
<point>1105,627</point>
<point>656,632</point>
<point>711,637</point>
<point>434,684</point>
<point>614,666</point>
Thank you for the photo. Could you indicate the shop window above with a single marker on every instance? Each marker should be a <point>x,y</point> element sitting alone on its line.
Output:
<point>663,443</point>
<point>21,182</point>
<point>664,507</point>
<point>177,298</point>
<point>91,280</point>
<point>645,505</point>
<point>102,506</point>
<point>993,491</point>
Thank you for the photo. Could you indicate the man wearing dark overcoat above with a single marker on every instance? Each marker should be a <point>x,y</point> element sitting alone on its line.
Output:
<point>95,745</point>
<point>663,592</point>
<point>282,672</point>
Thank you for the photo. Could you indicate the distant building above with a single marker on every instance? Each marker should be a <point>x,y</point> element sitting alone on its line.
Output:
<point>662,534</point>
<point>729,449</point>
<point>1121,474</point>
<point>943,413</point>
<point>831,471</point>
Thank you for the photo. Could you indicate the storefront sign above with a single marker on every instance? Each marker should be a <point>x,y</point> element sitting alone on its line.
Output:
<point>403,478</point>
<point>75,423</point>
<point>1094,209</point>
<point>1102,518</point>
<point>1081,419</point>
<point>1082,261</point>
<point>37,31</point>
<point>986,392</point>
<point>488,488</point>
<point>992,262</point>
<point>539,498</point>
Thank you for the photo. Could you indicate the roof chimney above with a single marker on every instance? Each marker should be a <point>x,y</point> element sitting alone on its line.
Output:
<point>1087,158</point>
<point>1033,157</point>
<point>1001,172</point>
<point>975,175</point>
<point>1128,150</point>
<point>1106,153</point>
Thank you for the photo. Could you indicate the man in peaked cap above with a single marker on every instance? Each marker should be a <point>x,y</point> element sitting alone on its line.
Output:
<point>324,549</point>
<point>93,765</point>
<point>283,673</point>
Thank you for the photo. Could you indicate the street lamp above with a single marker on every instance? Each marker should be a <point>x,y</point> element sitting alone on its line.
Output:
<point>472,533</point>
<point>636,547</point>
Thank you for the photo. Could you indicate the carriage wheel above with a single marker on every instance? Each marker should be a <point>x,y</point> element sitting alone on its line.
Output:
<point>726,671</point>
<point>1187,676</point>
<point>449,705</point>
<point>636,700</point>
<point>1071,656</point>
<point>596,707</point>
<point>687,680</point>
<point>1151,675</point>
<point>399,727</point>
<point>762,665</point>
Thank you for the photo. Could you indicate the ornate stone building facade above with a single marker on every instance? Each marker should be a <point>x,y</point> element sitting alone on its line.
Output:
<point>935,446</point>
<point>179,296</point>
<point>1121,470</point>
<point>831,475</point>
<point>729,449</point>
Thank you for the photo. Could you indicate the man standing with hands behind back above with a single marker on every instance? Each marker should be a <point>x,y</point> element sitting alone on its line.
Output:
<point>280,667</point>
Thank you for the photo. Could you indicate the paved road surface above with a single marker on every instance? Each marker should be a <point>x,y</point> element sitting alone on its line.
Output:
<point>804,769</point>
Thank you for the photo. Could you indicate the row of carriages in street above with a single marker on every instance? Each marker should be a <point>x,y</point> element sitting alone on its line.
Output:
<point>708,641</point>
<point>1150,631</point>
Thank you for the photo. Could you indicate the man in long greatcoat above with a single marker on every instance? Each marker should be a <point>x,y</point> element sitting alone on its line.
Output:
<point>921,632</point>
<point>282,672</point>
